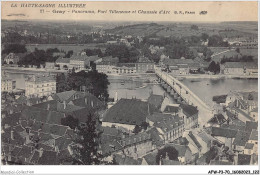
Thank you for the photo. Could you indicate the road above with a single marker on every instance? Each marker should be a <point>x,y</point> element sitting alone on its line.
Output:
<point>205,111</point>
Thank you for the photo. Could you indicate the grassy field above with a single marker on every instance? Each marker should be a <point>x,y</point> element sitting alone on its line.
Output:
<point>253,52</point>
<point>230,53</point>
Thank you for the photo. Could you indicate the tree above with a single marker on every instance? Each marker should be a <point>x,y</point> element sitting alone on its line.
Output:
<point>167,152</point>
<point>212,154</point>
<point>121,51</point>
<point>89,79</point>
<point>237,50</point>
<point>194,27</point>
<point>250,97</point>
<point>37,58</point>
<point>65,67</point>
<point>61,83</point>
<point>213,67</point>
<point>204,36</point>
<point>143,126</point>
<point>70,121</point>
<point>137,129</point>
<point>69,54</point>
<point>86,143</point>
<point>217,41</point>
<point>14,48</point>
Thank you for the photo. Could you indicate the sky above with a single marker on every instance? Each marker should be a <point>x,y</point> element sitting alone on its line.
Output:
<point>216,11</point>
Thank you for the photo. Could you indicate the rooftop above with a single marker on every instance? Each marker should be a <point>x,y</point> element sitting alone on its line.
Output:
<point>157,138</point>
<point>155,100</point>
<point>171,109</point>
<point>223,132</point>
<point>166,122</point>
<point>248,65</point>
<point>251,125</point>
<point>189,110</point>
<point>134,139</point>
<point>126,160</point>
<point>129,111</point>
<point>217,119</point>
<point>241,138</point>
<point>180,148</point>
<point>62,60</point>
<point>254,135</point>
<point>41,78</point>
<point>249,146</point>
<point>243,159</point>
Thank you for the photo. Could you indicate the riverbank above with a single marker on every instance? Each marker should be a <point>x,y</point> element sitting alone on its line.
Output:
<point>221,76</point>
<point>30,70</point>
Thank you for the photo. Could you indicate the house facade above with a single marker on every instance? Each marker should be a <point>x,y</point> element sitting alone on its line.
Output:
<point>7,85</point>
<point>13,58</point>
<point>40,85</point>
<point>144,65</point>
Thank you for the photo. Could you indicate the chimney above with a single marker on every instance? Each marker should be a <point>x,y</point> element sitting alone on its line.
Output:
<point>48,107</point>
<point>64,104</point>
<point>12,134</point>
<point>40,152</point>
<point>160,160</point>
<point>116,97</point>
<point>38,133</point>
<point>167,157</point>
<point>148,109</point>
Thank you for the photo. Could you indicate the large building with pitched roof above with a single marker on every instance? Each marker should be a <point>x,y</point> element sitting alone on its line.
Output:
<point>128,113</point>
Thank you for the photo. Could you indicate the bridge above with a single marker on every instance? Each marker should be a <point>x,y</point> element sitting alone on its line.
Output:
<point>184,95</point>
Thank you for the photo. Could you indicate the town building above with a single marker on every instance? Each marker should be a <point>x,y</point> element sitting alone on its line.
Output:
<point>170,127</point>
<point>224,135</point>
<point>125,68</point>
<point>107,64</point>
<point>240,68</point>
<point>184,153</point>
<point>49,65</point>
<point>127,113</point>
<point>137,146</point>
<point>82,61</point>
<point>7,84</point>
<point>180,66</point>
<point>63,62</point>
<point>13,58</point>
<point>243,103</point>
<point>40,85</point>
<point>189,114</point>
<point>105,68</point>
<point>144,65</point>
<point>156,100</point>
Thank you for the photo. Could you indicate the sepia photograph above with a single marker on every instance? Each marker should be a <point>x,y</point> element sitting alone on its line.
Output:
<point>129,83</point>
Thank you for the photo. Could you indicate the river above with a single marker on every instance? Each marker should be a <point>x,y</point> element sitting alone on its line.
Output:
<point>135,87</point>
<point>138,87</point>
<point>205,89</point>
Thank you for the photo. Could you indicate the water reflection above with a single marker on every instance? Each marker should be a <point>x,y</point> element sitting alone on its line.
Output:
<point>207,88</point>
